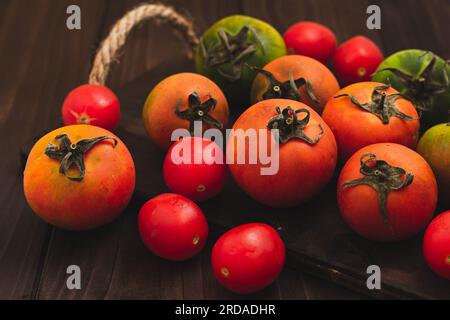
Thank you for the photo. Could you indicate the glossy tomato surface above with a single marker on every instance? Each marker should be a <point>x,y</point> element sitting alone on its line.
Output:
<point>178,92</point>
<point>172,227</point>
<point>434,146</point>
<point>436,245</point>
<point>248,258</point>
<point>356,60</point>
<point>97,199</point>
<point>92,104</point>
<point>299,170</point>
<point>409,209</point>
<point>311,39</point>
<point>322,81</point>
<point>195,167</point>
<point>355,127</point>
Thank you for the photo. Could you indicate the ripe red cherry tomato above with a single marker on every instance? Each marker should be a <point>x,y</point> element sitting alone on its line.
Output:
<point>248,258</point>
<point>436,245</point>
<point>172,227</point>
<point>197,181</point>
<point>91,104</point>
<point>356,60</point>
<point>311,39</point>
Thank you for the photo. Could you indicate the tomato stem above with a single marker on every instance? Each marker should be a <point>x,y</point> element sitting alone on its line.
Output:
<point>291,127</point>
<point>383,178</point>
<point>70,154</point>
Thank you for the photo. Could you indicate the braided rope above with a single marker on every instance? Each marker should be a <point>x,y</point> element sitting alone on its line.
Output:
<point>110,48</point>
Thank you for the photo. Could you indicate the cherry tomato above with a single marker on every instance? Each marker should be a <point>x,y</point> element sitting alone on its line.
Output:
<point>436,245</point>
<point>311,39</point>
<point>248,258</point>
<point>356,60</point>
<point>92,104</point>
<point>197,181</point>
<point>172,227</point>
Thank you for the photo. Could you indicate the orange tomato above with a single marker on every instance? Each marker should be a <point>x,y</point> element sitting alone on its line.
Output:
<point>177,100</point>
<point>60,194</point>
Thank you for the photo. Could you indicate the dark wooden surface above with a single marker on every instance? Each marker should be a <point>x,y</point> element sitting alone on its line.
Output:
<point>42,61</point>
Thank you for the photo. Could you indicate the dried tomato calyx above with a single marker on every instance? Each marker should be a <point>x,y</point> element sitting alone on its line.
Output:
<point>233,50</point>
<point>383,178</point>
<point>291,127</point>
<point>381,105</point>
<point>422,88</point>
<point>198,111</point>
<point>287,89</point>
<point>73,153</point>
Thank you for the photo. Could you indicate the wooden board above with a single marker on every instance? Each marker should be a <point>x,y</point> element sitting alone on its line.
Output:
<point>316,237</point>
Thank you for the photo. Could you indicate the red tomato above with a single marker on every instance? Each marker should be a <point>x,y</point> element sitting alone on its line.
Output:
<point>358,116</point>
<point>248,258</point>
<point>436,245</point>
<point>172,227</point>
<point>197,181</point>
<point>92,104</point>
<point>356,60</point>
<point>311,39</point>
<point>387,192</point>
<point>73,198</point>
<point>306,159</point>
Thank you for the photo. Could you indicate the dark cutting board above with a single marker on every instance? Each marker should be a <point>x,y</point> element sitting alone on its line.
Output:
<point>316,238</point>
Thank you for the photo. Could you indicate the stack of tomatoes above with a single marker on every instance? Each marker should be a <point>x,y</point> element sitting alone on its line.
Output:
<point>282,150</point>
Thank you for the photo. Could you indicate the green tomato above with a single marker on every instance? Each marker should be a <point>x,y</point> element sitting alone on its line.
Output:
<point>422,76</point>
<point>434,146</point>
<point>231,47</point>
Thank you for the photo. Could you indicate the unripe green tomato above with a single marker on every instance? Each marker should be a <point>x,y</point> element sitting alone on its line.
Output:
<point>233,45</point>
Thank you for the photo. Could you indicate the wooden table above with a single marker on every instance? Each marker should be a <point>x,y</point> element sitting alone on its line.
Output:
<point>42,61</point>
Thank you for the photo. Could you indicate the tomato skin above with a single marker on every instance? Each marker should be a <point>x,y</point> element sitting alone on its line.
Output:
<point>172,227</point>
<point>434,146</point>
<point>311,39</point>
<point>436,245</point>
<point>92,104</point>
<point>98,199</point>
<point>201,181</point>
<point>409,209</point>
<point>323,82</point>
<point>356,60</point>
<point>304,169</point>
<point>355,128</point>
<point>159,115</point>
<point>248,258</point>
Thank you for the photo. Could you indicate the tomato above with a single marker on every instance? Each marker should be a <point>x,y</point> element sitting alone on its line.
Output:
<point>377,113</point>
<point>436,245</point>
<point>434,146</point>
<point>387,192</point>
<point>198,180</point>
<point>305,161</point>
<point>313,83</point>
<point>248,258</point>
<point>424,77</point>
<point>172,227</point>
<point>232,44</point>
<point>92,104</point>
<point>356,60</point>
<point>79,177</point>
<point>178,102</point>
<point>311,39</point>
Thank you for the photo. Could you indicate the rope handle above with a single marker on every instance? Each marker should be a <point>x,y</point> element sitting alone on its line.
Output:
<point>110,49</point>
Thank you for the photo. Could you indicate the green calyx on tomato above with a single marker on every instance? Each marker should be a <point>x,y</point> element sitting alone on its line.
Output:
<point>233,50</point>
<point>73,153</point>
<point>291,127</point>
<point>287,89</point>
<point>381,105</point>
<point>198,111</point>
<point>383,178</point>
